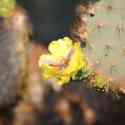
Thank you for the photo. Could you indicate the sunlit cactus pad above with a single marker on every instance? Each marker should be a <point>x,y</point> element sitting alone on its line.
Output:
<point>106,45</point>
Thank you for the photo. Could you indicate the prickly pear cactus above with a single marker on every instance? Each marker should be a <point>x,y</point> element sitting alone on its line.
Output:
<point>106,45</point>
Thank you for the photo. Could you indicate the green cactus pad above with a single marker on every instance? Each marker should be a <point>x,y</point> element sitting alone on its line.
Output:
<point>106,45</point>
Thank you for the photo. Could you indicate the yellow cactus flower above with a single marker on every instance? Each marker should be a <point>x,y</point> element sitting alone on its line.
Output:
<point>65,59</point>
<point>6,7</point>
